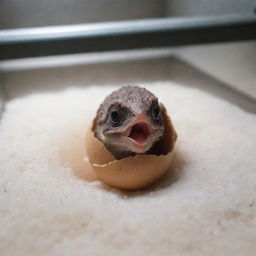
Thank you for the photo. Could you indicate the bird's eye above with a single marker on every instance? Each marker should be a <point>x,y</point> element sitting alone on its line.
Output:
<point>116,115</point>
<point>155,111</point>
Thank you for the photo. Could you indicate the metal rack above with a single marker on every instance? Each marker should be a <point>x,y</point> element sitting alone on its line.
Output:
<point>127,35</point>
<point>135,34</point>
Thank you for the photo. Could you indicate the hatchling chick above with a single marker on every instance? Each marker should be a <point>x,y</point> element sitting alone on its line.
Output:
<point>129,121</point>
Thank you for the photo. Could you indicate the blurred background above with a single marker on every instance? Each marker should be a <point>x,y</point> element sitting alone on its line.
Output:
<point>33,13</point>
<point>233,64</point>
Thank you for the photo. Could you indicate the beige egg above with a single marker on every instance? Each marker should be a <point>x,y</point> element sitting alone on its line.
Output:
<point>134,172</point>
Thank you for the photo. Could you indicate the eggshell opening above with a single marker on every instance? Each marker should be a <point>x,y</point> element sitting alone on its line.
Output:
<point>135,172</point>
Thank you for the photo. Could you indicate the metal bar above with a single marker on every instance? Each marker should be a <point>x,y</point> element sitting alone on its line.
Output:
<point>136,34</point>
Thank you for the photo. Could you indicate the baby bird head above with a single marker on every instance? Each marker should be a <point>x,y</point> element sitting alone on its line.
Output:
<point>129,121</point>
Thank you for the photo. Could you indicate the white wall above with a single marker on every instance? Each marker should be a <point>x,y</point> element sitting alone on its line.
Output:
<point>1,95</point>
<point>233,63</point>
<point>32,13</point>
<point>208,7</point>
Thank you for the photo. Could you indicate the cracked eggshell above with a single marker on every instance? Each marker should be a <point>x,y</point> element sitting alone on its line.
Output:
<point>135,172</point>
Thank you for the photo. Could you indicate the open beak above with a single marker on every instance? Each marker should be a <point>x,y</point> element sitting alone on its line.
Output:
<point>138,134</point>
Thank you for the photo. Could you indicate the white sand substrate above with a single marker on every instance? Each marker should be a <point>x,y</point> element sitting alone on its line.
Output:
<point>48,208</point>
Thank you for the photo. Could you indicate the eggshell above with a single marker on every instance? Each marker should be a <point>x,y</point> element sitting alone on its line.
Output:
<point>134,172</point>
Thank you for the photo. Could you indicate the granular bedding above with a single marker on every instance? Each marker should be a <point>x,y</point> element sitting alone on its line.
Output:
<point>50,205</point>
